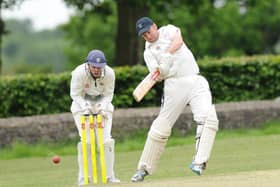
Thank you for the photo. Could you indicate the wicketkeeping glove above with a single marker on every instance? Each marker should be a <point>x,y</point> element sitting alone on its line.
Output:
<point>101,108</point>
<point>87,108</point>
<point>103,114</point>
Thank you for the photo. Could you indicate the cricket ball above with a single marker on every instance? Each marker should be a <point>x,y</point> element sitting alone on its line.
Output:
<point>56,159</point>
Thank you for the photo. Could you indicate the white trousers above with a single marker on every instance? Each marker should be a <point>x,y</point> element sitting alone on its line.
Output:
<point>178,92</point>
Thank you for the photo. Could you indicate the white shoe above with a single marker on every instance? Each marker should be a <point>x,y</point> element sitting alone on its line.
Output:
<point>139,176</point>
<point>81,181</point>
<point>113,180</point>
<point>197,168</point>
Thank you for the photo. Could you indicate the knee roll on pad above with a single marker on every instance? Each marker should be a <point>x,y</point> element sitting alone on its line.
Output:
<point>156,136</point>
<point>109,142</point>
<point>212,121</point>
<point>160,130</point>
<point>109,145</point>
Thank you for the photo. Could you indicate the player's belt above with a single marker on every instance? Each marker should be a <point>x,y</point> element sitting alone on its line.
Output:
<point>93,97</point>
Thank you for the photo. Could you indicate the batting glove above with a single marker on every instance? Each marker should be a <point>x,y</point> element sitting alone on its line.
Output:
<point>104,114</point>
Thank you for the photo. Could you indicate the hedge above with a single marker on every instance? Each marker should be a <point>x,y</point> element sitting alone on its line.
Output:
<point>244,78</point>
<point>231,79</point>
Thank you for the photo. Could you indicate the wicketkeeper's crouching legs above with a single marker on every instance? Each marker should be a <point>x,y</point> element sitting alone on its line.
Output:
<point>80,163</point>
<point>109,161</point>
<point>109,146</point>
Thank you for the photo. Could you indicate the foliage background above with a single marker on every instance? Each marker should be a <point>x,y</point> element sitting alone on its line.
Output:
<point>231,79</point>
<point>210,28</point>
<point>224,37</point>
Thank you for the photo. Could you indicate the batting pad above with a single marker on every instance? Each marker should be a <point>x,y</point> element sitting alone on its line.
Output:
<point>207,137</point>
<point>80,161</point>
<point>154,146</point>
<point>109,157</point>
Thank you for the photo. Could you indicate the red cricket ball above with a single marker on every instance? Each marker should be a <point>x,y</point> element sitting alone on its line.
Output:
<point>56,159</point>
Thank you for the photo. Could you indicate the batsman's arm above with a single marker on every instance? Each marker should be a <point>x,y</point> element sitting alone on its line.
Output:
<point>177,42</point>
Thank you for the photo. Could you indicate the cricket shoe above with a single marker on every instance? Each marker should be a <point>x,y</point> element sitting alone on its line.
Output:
<point>81,181</point>
<point>139,176</point>
<point>113,180</point>
<point>197,168</point>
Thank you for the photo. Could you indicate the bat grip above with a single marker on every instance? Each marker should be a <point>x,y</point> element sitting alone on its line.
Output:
<point>155,75</point>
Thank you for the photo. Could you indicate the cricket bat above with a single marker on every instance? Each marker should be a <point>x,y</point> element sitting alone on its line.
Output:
<point>145,85</point>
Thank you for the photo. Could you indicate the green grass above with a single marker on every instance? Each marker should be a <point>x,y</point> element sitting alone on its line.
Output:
<point>235,159</point>
<point>134,142</point>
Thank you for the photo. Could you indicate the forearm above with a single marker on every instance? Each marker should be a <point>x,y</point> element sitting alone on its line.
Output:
<point>76,91</point>
<point>176,43</point>
<point>150,60</point>
<point>106,99</point>
<point>79,100</point>
<point>108,93</point>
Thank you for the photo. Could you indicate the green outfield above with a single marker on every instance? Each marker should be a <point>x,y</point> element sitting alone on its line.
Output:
<point>238,159</point>
<point>246,161</point>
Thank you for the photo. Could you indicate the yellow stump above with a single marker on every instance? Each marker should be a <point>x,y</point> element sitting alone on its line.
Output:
<point>101,147</point>
<point>84,149</point>
<point>93,149</point>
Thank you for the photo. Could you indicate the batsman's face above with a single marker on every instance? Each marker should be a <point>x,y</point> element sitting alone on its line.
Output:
<point>151,35</point>
<point>95,71</point>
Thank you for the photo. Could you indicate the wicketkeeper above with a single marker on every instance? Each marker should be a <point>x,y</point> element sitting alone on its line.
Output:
<point>92,88</point>
<point>166,51</point>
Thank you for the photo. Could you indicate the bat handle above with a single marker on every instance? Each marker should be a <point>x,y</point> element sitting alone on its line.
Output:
<point>155,75</point>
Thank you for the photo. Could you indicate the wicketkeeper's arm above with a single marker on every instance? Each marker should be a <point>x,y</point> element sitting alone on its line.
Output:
<point>108,93</point>
<point>76,90</point>
<point>105,103</point>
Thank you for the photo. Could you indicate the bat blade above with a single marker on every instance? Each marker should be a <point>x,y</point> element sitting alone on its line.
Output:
<point>145,85</point>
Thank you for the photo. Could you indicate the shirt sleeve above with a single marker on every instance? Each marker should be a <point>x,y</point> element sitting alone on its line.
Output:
<point>76,89</point>
<point>168,32</point>
<point>109,87</point>
<point>150,60</point>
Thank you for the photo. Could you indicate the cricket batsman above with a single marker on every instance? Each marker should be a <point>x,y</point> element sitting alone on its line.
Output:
<point>91,89</point>
<point>166,51</point>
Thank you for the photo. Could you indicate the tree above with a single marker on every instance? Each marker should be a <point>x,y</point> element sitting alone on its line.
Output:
<point>261,21</point>
<point>5,4</point>
<point>233,27</point>
<point>127,44</point>
<point>91,28</point>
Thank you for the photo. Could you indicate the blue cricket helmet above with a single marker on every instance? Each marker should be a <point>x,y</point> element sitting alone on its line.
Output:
<point>96,58</point>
